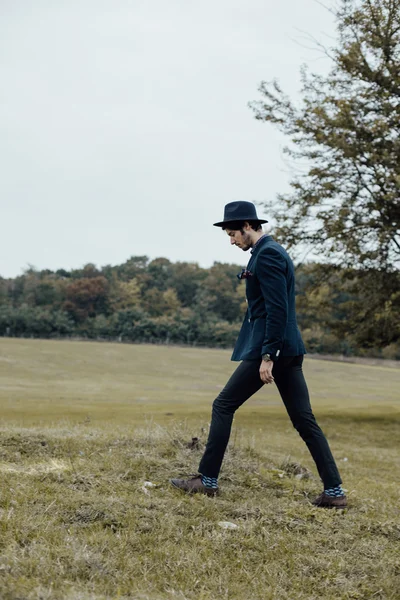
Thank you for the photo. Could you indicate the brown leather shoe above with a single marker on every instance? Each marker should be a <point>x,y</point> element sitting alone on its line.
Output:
<point>324,501</point>
<point>193,486</point>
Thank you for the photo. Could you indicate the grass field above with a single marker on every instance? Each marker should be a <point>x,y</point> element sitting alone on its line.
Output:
<point>85,425</point>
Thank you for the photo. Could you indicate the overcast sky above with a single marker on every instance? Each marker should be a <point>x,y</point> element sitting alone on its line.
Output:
<point>124,126</point>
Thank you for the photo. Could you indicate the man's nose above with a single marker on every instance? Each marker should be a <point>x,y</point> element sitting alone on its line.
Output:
<point>232,241</point>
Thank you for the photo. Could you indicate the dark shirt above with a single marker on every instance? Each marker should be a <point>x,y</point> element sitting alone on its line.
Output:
<point>258,242</point>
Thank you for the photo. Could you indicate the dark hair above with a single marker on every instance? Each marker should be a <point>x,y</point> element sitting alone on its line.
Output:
<point>239,225</point>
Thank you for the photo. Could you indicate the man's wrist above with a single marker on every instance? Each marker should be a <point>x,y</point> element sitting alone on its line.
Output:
<point>267,358</point>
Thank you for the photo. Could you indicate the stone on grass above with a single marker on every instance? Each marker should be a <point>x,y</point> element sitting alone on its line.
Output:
<point>146,485</point>
<point>228,525</point>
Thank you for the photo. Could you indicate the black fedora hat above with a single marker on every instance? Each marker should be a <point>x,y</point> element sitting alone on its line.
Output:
<point>239,211</point>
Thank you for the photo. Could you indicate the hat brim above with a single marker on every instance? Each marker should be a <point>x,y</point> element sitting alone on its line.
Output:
<point>222,223</point>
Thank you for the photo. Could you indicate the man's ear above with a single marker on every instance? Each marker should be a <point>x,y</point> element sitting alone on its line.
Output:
<point>246,225</point>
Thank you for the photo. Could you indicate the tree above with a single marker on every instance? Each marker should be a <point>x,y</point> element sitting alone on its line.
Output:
<point>124,294</point>
<point>160,273</point>
<point>358,308</point>
<point>186,279</point>
<point>88,270</point>
<point>3,291</point>
<point>218,293</point>
<point>159,303</point>
<point>346,205</point>
<point>132,268</point>
<point>86,297</point>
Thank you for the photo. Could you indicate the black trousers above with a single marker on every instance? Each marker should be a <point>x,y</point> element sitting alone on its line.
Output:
<point>245,381</point>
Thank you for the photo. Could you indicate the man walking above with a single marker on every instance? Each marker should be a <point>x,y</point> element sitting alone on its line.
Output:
<point>270,349</point>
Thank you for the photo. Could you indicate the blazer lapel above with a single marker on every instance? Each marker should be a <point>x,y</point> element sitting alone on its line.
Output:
<point>253,256</point>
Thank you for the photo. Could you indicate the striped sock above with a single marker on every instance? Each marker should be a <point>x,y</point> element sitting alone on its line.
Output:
<point>210,482</point>
<point>334,492</point>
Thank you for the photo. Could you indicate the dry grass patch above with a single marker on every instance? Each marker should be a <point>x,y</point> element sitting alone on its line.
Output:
<point>95,530</point>
<point>78,444</point>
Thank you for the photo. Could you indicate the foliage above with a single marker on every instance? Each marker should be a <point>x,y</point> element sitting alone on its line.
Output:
<point>85,297</point>
<point>359,309</point>
<point>183,303</point>
<point>345,206</point>
<point>34,322</point>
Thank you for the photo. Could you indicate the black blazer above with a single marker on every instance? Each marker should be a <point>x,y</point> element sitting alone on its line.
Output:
<point>269,326</point>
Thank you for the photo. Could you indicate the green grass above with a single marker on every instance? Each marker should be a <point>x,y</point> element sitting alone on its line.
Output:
<point>84,425</point>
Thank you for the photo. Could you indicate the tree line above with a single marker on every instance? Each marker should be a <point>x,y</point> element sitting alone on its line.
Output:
<point>157,301</point>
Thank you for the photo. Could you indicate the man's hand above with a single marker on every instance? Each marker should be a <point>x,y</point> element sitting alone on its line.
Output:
<point>266,371</point>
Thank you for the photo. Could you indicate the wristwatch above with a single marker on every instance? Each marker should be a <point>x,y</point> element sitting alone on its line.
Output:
<point>267,357</point>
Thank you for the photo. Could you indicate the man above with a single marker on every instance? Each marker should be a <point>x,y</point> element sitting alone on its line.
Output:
<point>271,350</point>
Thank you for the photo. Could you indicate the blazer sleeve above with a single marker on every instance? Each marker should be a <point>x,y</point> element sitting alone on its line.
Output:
<point>271,271</point>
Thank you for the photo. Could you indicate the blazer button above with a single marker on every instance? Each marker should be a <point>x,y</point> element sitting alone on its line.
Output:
<point>249,320</point>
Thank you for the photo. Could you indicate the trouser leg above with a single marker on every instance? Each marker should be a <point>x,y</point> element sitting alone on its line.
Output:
<point>289,378</point>
<point>244,382</point>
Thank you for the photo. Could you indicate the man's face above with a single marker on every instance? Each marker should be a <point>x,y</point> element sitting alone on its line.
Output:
<point>239,239</point>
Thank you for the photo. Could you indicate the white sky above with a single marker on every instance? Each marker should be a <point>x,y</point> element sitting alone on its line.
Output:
<point>124,126</point>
